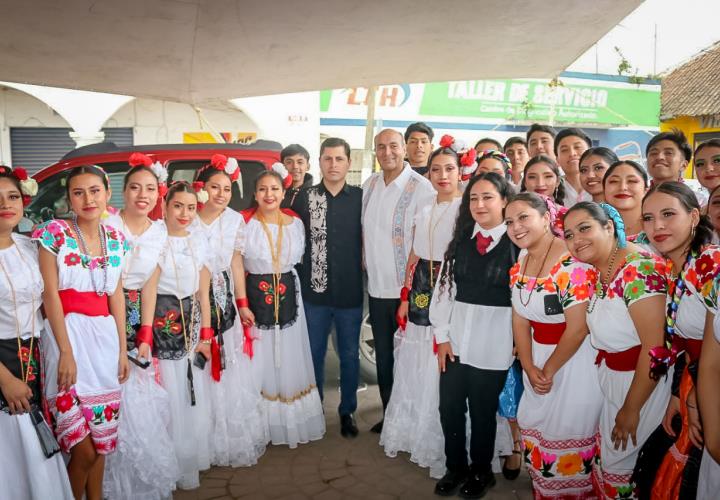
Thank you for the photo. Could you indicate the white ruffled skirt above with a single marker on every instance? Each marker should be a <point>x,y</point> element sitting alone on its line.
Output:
<point>284,372</point>
<point>144,466</point>
<point>412,418</point>
<point>189,425</point>
<point>24,471</point>
<point>239,430</point>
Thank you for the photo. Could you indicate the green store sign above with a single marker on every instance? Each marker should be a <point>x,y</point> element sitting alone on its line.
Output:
<point>528,100</point>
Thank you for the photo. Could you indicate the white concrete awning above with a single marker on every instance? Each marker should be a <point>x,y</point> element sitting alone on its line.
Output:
<point>199,50</point>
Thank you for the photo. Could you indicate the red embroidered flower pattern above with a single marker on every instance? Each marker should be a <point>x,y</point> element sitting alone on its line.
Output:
<point>64,402</point>
<point>133,295</point>
<point>72,259</point>
<point>264,286</point>
<point>168,324</point>
<point>108,413</point>
<point>268,299</point>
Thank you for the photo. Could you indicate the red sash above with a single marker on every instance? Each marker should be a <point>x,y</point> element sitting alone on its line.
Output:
<point>547,333</point>
<point>690,346</point>
<point>623,361</point>
<point>87,303</point>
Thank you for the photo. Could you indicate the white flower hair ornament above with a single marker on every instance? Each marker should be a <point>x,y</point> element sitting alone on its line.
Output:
<point>160,172</point>
<point>202,195</point>
<point>228,165</point>
<point>280,169</point>
<point>28,185</point>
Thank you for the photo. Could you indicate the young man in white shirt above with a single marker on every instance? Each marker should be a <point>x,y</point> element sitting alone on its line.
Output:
<point>390,198</point>
<point>418,140</point>
<point>570,144</point>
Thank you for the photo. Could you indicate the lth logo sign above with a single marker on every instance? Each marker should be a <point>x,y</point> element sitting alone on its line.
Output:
<point>391,96</point>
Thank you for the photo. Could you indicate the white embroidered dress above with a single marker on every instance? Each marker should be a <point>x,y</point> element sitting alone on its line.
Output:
<point>92,406</point>
<point>24,470</point>
<point>181,261</point>
<point>412,418</point>
<point>559,428</point>
<point>283,362</point>
<point>612,329</point>
<point>145,466</point>
<point>239,433</point>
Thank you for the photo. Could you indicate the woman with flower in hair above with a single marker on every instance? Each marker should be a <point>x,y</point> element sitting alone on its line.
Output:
<point>81,262</point>
<point>412,420</point>
<point>145,465</point>
<point>625,316</point>
<point>495,161</point>
<point>674,224</point>
<point>180,331</point>
<point>560,408</point>
<point>31,468</point>
<point>239,432</point>
<point>272,241</point>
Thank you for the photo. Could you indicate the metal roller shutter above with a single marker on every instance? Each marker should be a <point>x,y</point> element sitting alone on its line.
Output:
<point>35,148</point>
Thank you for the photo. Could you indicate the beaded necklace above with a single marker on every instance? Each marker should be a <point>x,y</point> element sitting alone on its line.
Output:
<point>24,370</point>
<point>602,284</point>
<point>100,291</point>
<point>674,304</point>
<point>276,255</point>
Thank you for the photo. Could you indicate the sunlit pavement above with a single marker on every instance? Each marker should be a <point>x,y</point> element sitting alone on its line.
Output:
<point>335,467</point>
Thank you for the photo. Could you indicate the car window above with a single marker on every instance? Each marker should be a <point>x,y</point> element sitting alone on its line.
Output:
<point>51,200</point>
<point>242,190</point>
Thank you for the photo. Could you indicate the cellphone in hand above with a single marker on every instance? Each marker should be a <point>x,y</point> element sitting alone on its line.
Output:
<point>134,358</point>
<point>200,360</point>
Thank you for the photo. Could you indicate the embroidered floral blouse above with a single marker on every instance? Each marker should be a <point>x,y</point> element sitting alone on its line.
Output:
<point>640,276</point>
<point>75,268</point>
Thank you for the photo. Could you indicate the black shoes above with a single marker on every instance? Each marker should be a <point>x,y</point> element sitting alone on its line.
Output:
<point>477,485</point>
<point>377,428</point>
<point>347,426</point>
<point>450,482</point>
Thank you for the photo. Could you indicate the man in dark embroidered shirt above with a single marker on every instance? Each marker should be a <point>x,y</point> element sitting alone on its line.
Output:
<point>331,272</point>
<point>297,161</point>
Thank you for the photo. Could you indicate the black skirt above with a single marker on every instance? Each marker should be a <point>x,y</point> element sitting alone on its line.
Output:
<point>421,292</point>
<point>261,296</point>
<point>10,359</point>
<point>222,303</point>
<point>168,339</point>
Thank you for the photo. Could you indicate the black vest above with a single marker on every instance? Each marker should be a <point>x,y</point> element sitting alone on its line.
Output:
<point>484,279</point>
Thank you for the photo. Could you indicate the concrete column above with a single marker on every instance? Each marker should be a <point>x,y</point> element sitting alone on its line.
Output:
<point>87,138</point>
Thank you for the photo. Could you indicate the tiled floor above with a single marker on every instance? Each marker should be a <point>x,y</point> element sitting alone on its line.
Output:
<point>335,468</point>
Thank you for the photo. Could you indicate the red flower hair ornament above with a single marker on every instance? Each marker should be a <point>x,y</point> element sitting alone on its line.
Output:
<point>157,168</point>
<point>28,185</point>
<point>224,164</point>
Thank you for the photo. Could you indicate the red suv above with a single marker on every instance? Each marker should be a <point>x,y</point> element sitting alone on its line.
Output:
<point>181,160</point>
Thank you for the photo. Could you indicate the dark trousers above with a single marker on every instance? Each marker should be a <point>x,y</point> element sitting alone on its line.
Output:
<point>461,385</point>
<point>384,326</point>
<point>347,327</point>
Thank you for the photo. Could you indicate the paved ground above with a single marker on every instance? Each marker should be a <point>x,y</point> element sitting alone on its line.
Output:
<point>334,467</point>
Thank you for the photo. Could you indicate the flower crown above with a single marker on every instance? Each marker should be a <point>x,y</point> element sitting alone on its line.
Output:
<point>498,155</point>
<point>28,185</point>
<point>466,155</point>
<point>280,169</point>
<point>157,168</point>
<point>222,163</point>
